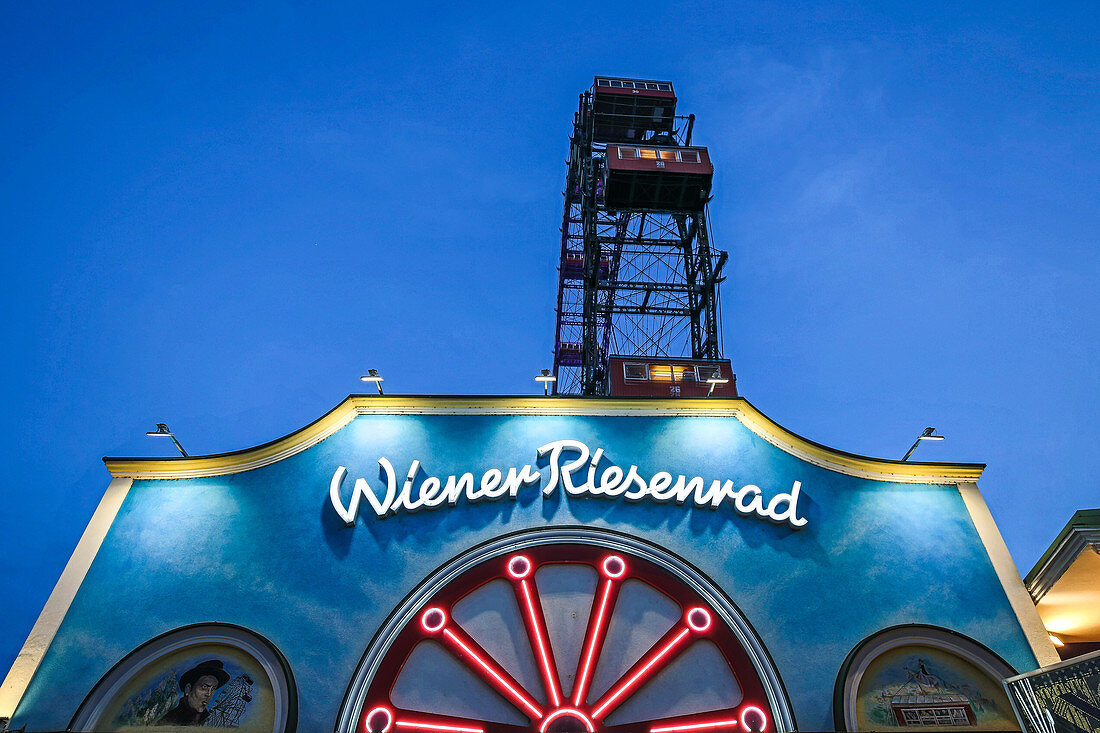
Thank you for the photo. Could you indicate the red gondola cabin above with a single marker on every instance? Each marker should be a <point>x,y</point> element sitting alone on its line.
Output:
<point>570,353</point>
<point>657,178</point>
<point>652,376</point>
<point>573,266</point>
<point>632,110</point>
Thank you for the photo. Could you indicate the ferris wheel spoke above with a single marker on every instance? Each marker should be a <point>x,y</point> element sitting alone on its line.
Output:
<point>413,722</point>
<point>589,705</point>
<point>695,726</point>
<point>747,717</point>
<point>722,721</point>
<point>527,595</point>
<point>697,621</point>
<point>613,569</point>
<point>387,719</point>
<point>653,661</point>
<point>436,622</point>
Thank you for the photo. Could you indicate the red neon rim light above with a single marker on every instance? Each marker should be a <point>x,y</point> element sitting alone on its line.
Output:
<point>433,620</point>
<point>553,708</point>
<point>571,713</point>
<point>379,719</point>
<point>519,567</point>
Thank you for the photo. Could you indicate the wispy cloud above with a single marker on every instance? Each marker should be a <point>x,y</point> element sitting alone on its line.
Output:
<point>771,94</point>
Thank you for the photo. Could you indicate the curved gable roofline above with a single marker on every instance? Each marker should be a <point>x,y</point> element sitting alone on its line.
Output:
<point>880,469</point>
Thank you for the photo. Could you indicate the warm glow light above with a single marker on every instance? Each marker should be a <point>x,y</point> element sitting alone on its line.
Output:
<point>714,725</point>
<point>627,684</point>
<point>416,725</point>
<point>1055,640</point>
<point>379,720</point>
<point>516,695</point>
<point>1063,618</point>
<point>549,674</point>
<point>571,712</point>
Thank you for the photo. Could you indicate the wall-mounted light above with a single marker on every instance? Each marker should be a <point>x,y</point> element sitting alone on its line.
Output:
<point>163,431</point>
<point>373,376</point>
<point>928,434</point>
<point>714,380</point>
<point>1055,640</point>
<point>546,378</point>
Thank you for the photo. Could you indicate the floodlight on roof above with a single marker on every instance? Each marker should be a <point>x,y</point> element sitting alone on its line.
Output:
<point>546,378</point>
<point>928,434</point>
<point>162,431</point>
<point>372,375</point>
<point>714,380</point>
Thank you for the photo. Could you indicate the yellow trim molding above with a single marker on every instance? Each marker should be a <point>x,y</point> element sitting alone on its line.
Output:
<point>1018,597</point>
<point>848,463</point>
<point>126,470</point>
<point>49,621</point>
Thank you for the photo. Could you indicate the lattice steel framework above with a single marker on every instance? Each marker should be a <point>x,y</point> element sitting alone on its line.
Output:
<point>631,282</point>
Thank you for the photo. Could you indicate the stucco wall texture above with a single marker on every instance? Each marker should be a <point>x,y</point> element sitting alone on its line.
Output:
<point>265,549</point>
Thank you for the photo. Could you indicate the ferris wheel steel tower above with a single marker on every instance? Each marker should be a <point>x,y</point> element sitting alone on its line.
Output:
<point>638,275</point>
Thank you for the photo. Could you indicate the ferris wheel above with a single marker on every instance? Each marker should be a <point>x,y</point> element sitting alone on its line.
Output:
<point>565,637</point>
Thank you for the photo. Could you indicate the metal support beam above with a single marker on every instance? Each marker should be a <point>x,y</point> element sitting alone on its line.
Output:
<point>648,281</point>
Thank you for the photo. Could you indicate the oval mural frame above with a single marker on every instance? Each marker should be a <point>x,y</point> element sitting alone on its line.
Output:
<point>262,651</point>
<point>872,647</point>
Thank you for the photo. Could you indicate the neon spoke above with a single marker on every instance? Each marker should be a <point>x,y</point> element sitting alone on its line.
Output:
<point>613,569</point>
<point>584,707</point>
<point>751,718</point>
<point>479,660</point>
<point>597,627</point>
<point>713,725</point>
<point>427,725</point>
<point>660,654</point>
<point>533,618</point>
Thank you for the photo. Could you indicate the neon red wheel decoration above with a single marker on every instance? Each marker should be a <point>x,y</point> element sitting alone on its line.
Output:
<point>560,696</point>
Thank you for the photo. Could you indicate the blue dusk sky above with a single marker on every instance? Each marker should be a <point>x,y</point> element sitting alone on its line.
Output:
<point>219,215</point>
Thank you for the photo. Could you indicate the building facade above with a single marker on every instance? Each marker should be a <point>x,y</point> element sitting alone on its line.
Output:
<point>515,564</point>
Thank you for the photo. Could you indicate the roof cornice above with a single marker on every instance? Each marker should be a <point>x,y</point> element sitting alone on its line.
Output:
<point>1080,533</point>
<point>878,469</point>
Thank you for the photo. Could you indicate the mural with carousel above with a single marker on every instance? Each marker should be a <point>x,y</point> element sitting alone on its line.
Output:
<point>928,688</point>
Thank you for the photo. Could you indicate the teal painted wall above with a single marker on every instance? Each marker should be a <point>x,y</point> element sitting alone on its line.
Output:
<point>265,549</point>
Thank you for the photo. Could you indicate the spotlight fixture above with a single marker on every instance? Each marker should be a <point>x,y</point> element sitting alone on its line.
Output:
<point>546,378</point>
<point>163,431</point>
<point>714,380</point>
<point>928,434</point>
<point>373,376</point>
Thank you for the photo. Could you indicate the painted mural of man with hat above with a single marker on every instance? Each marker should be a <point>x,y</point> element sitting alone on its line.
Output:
<point>197,685</point>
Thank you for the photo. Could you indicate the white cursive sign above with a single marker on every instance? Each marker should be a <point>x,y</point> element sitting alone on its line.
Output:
<point>572,466</point>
